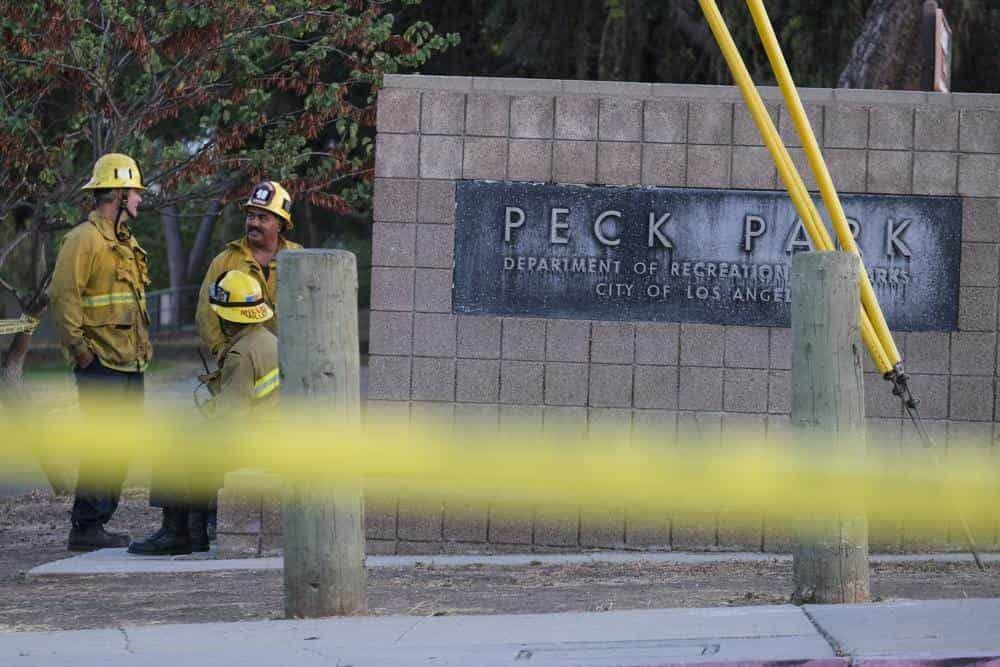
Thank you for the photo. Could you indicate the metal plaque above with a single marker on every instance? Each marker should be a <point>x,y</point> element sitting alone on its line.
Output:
<point>688,255</point>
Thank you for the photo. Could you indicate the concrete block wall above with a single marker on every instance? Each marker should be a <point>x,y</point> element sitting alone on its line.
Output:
<point>610,379</point>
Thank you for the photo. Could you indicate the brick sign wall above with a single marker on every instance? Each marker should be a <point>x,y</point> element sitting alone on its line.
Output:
<point>608,378</point>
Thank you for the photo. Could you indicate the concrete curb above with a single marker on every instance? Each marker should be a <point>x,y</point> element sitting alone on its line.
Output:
<point>939,633</point>
<point>937,661</point>
<point>900,661</point>
<point>831,662</point>
<point>117,561</point>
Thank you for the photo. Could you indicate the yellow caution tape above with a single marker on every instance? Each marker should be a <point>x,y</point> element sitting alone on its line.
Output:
<point>25,323</point>
<point>744,475</point>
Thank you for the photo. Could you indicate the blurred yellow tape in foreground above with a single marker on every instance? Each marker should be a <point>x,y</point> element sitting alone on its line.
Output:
<point>649,474</point>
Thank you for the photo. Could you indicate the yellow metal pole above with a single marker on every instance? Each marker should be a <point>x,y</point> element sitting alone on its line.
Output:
<point>786,169</point>
<point>818,165</point>
<point>820,171</point>
<point>804,204</point>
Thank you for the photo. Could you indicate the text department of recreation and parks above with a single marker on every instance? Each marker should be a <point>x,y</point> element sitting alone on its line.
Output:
<point>693,279</point>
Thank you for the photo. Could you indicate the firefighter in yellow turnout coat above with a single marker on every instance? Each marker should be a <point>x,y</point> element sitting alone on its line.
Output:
<point>268,217</point>
<point>98,297</point>
<point>248,366</point>
<point>246,386</point>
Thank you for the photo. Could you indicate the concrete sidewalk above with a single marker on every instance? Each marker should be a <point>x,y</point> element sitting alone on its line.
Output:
<point>118,561</point>
<point>898,633</point>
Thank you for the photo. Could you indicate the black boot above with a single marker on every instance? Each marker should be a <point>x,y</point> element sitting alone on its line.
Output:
<point>198,530</point>
<point>171,539</point>
<point>211,521</point>
<point>92,536</point>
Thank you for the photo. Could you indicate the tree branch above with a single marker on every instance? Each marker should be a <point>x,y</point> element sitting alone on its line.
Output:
<point>39,301</point>
<point>16,241</point>
<point>10,288</point>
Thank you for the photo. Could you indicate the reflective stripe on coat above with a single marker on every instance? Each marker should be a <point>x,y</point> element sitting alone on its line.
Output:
<point>98,296</point>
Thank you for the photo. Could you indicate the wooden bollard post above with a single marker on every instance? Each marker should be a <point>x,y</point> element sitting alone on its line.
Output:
<point>320,369</point>
<point>830,554</point>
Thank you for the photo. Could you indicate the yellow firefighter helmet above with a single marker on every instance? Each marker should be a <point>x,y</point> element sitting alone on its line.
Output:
<point>237,297</point>
<point>113,171</point>
<point>271,197</point>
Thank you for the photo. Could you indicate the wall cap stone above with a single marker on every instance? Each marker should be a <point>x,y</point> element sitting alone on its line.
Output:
<point>642,90</point>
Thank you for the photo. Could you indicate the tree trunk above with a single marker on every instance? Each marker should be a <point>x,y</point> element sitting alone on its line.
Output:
<point>39,262</point>
<point>623,42</point>
<point>170,313</point>
<point>613,43</point>
<point>12,389</point>
<point>883,54</point>
<point>12,361</point>
<point>587,35</point>
<point>16,397</point>
<point>312,229</point>
<point>197,258</point>
<point>637,41</point>
<point>687,19</point>
<point>583,45</point>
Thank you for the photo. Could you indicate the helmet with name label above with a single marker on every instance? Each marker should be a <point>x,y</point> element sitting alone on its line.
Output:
<point>237,297</point>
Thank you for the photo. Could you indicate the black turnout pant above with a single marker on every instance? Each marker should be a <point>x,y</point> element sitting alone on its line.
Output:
<point>101,475</point>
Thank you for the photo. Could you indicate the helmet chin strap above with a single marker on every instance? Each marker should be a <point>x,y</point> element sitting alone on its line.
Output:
<point>122,232</point>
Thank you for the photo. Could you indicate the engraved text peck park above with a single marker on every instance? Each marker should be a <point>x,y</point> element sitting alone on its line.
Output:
<point>687,255</point>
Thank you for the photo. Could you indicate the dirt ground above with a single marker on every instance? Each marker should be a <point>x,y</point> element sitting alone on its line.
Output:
<point>33,531</point>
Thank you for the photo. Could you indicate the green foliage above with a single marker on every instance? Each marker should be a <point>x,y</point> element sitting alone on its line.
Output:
<point>668,41</point>
<point>209,97</point>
